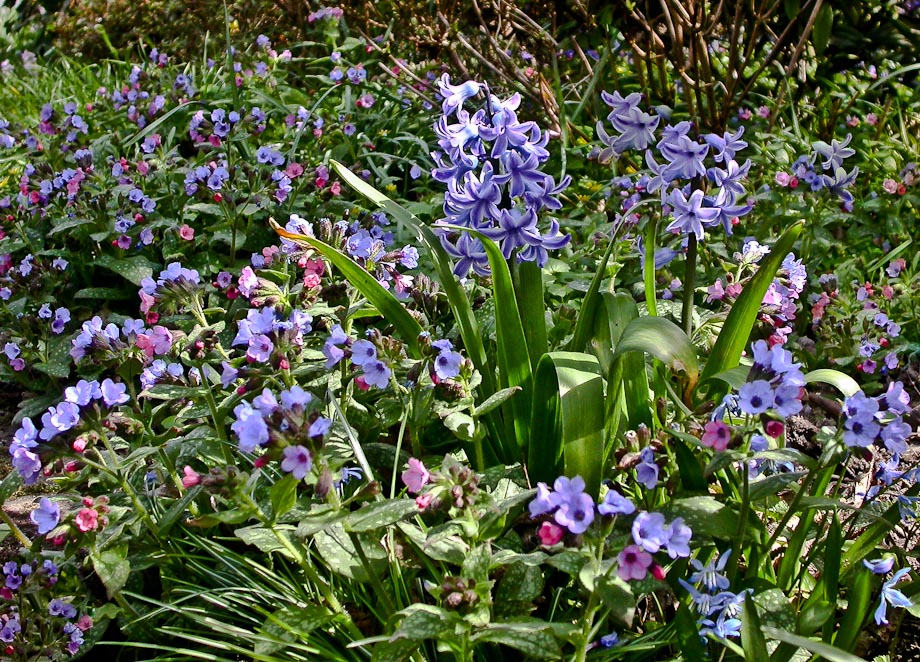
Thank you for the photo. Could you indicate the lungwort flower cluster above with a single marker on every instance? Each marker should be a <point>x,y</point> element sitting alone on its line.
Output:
<point>490,162</point>
<point>698,194</point>
<point>868,420</point>
<point>574,510</point>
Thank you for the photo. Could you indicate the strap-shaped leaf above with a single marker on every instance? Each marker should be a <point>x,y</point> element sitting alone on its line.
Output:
<point>590,304</point>
<point>664,340</point>
<point>567,428</point>
<point>513,356</point>
<point>388,305</point>
<point>527,278</point>
<point>741,318</point>
<point>842,382</point>
<point>614,314</point>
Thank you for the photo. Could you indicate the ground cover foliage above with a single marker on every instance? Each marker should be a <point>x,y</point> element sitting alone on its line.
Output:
<point>342,345</point>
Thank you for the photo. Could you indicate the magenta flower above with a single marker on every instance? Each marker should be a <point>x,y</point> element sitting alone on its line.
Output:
<point>416,476</point>
<point>716,435</point>
<point>634,563</point>
<point>549,534</point>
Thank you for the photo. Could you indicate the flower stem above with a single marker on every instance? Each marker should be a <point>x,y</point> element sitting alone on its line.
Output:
<point>689,285</point>
<point>648,270</point>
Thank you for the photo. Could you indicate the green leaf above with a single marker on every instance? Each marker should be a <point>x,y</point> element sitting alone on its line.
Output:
<point>9,485</point>
<point>520,583</point>
<point>423,621</point>
<point>618,597</point>
<point>567,427</point>
<point>664,340</point>
<point>705,515</point>
<point>171,516</point>
<point>336,548</point>
<point>513,354</point>
<point>688,634</point>
<point>527,279</point>
<point>461,424</point>
<point>495,400</point>
<point>531,637</point>
<point>267,539</point>
<point>752,639</point>
<point>830,653</point>
<point>105,293</point>
<point>283,495</point>
<point>692,477</point>
<point>173,392</point>
<point>447,548</point>
<point>132,269</point>
<point>290,624</point>
<point>772,485</point>
<point>736,331</point>
<point>590,305</point>
<point>821,32</point>
<point>627,380</point>
<point>380,514</point>
<point>842,382</point>
<point>388,305</point>
<point>59,360</point>
<point>113,568</point>
<point>859,600</point>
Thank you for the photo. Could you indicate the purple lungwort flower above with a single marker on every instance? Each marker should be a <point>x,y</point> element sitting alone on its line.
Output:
<point>297,461</point>
<point>114,393</point>
<point>376,373</point>
<point>416,476</point>
<point>363,352</point>
<point>650,532</point>
<point>249,427</point>
<point>755,397</point>
<point>679,535</point>
<point>575,508</point>
<point>647,470</point>
<point>447,365</point>
<point>633,563</point>
<point>542,503</point>
<point>615,503</point>
<point>46,516</point>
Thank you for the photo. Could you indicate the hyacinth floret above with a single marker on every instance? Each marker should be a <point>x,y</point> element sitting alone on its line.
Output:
<point>491,163</point>
<point>698,196</point>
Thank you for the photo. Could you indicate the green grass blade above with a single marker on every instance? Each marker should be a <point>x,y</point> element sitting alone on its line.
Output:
<point>740,321</point>
<point>829,653</point>
<point>567,429</point>
<point>388,305</point>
